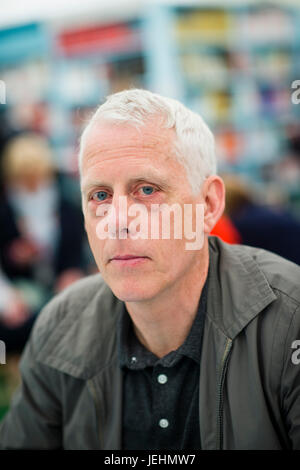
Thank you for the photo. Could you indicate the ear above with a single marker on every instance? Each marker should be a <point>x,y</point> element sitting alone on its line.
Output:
<point>214,201</point>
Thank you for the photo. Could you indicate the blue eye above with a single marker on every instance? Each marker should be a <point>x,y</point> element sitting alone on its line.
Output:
<point>147,190</point>
<point>100,196</point>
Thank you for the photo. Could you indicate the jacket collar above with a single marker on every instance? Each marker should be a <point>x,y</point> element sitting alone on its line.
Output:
<point>85,342</point>
<point>238,288</point>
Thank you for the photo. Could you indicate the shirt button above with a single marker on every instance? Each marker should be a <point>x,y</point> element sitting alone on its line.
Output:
<point>162,378</point>
<point>164,423</point>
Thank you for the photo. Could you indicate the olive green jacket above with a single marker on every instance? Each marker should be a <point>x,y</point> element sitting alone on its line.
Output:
<point>71,392</point>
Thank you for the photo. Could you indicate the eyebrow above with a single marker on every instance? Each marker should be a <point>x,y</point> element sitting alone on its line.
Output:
<point>153,177</point>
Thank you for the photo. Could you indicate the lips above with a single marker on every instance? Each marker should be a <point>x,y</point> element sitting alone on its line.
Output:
<point>128,261</point>
<point>126,257</point>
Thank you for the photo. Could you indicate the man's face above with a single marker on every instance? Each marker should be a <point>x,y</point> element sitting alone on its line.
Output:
<point>139,165</point>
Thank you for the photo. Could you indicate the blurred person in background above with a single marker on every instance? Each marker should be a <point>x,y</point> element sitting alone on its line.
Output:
<point>42,233</point>
<point>260,225</point>
<point>15,318</point>
<point>225,230</point>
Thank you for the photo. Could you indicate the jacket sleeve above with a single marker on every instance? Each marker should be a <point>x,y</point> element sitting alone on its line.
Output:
<point>34,418</point>
<point>290,381</point>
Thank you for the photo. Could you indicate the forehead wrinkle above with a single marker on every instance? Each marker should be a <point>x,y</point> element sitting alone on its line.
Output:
<point>153,177</point>
<point>144,138</point>
<point>148,168</point>
<point>131,152</point>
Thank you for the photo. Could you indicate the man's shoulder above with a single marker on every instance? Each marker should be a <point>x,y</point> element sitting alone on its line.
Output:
<point>72,300</point>
<point>248,281</point>
<point>70,330</point>
<point>281,274</point>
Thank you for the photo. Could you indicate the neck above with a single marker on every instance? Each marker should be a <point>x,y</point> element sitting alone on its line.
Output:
<point>162,324</point>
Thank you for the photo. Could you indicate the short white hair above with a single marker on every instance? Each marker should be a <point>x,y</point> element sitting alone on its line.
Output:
<point>194,142</point>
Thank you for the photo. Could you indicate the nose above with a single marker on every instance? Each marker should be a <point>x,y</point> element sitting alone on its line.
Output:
<point>121,208</point>
<point>117,216</point>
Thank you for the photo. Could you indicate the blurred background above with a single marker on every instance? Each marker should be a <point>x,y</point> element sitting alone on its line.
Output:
<point>236,63</point>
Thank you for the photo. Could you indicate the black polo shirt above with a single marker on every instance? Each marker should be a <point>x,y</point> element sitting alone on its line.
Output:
<point>161,395</point>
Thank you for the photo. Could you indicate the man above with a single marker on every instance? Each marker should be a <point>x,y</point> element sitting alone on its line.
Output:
<point>175,345</point>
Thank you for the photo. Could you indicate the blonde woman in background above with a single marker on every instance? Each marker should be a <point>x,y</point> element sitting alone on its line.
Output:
<point>41,237</point>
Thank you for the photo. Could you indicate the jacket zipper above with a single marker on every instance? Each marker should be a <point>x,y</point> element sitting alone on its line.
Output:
<point>93,392</point>
<point>220,393</point>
